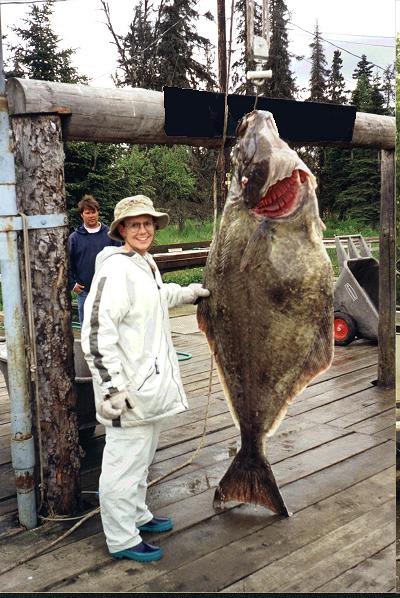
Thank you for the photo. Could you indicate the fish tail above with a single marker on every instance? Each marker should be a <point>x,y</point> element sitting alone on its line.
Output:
<point>251,481</point>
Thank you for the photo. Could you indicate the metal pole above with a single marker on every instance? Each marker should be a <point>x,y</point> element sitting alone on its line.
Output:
<point>22,442</point>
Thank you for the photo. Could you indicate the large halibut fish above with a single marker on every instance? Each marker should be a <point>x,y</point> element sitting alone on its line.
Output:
<point>269,318</point>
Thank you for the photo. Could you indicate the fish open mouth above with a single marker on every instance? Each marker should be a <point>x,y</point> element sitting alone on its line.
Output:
<point>282,197</point>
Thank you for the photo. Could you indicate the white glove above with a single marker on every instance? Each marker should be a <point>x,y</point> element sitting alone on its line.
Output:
<point>196,290</point>
<point>113,406</point>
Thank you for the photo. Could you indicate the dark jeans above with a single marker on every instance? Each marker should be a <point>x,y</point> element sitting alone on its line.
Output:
<point>81,298</point>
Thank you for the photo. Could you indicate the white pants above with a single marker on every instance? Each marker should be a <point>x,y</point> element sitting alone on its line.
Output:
<point>127,456</point>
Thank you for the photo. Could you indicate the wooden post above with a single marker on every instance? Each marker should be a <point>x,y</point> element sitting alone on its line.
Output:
<point>222,77</point>
<point>387,251</point>
<point>39,158</point>
<point>249,35</point>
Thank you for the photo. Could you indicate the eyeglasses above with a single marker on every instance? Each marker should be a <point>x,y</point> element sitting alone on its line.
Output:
<point>135,226</point>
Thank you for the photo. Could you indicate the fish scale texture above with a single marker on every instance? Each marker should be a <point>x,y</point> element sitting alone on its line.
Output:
<point>269,318</point>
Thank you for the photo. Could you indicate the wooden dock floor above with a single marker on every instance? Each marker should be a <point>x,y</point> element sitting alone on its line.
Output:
<point>333,457</point>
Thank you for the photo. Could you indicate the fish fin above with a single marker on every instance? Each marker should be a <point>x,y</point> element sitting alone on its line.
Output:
<point>250,481</point>
<point>257,252</point>
<point>204,323</point>
<point>320,355</point>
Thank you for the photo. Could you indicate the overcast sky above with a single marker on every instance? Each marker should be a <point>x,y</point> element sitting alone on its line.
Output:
<point>358,26</point>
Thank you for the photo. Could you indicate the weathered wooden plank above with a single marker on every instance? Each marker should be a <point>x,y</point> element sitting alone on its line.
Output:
<point>5,430</point>
<point>8,506</point>
<point>241,552</point>
<point>169,491</point>
<point>192,542</point>
<point>352,403</point>
<point>388,433</point>
<point>369,576</point>
<point>282,446</point>
<point>336,390</point>
<point>178,434</point>
<point>305,569</point>
<point>364,414</point>
<point>361,360</point>
<point>377,423</point>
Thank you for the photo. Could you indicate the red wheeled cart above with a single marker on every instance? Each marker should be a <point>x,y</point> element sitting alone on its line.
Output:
<point>356,296</point>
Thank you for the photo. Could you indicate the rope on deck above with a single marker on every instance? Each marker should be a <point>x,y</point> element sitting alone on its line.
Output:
<point>83,518</point>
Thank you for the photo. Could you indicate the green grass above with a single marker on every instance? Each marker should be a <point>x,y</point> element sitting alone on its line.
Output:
<point>193,230</point>
<point>184,277</point>
<point>348,227</point>
<point>196,230</point>
<point>202,231</point>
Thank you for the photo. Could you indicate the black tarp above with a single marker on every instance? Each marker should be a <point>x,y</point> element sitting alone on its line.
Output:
<point>192,113</point>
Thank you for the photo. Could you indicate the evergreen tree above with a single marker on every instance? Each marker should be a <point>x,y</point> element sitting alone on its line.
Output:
<point>178,41</point>
<point>137,65</point>
<point>334,164</point>
<point>388,88</point>
<point>360,197</point>
<point>377,103</point>
<point>38,56</point>
<point>361,95</point>
<point>282,84</point>
<point>336,84</point>
<point>319,72</point>
<point>159,49</point>
<point>137,49</point>
<point>90,168</point>
<point>160,46</point>
<point>318,93</point>
<point>364,67</point>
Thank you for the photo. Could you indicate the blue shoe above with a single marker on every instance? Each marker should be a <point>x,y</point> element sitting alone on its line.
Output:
<point>143,553</point>
<point>156,525</point>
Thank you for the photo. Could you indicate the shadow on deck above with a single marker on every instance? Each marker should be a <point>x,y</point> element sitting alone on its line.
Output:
<point>333,457</point>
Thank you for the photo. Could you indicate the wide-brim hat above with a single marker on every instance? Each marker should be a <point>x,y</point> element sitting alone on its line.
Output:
<point>138,205</point>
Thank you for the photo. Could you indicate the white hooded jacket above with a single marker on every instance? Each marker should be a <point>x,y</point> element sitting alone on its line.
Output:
<point>126,337</point>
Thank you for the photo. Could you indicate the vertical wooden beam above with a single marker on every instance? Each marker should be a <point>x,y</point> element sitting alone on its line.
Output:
<point>222,78</point>
<point>221,45</point>
<point>387,249</point>
<point>39,160</point>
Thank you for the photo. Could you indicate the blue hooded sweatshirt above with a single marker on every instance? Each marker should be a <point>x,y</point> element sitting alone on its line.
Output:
<point>83,248</point>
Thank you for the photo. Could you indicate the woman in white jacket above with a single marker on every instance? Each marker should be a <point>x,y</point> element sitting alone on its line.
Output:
<point>127,344</point>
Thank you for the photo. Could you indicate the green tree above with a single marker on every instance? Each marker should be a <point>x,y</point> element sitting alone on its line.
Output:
<point>361,95</point>
<point>90,168</point>
<point>335,84</point>
<point>377,105</point>
<point>282,84</point>
<point>360,197</point>
<point>178,44</point>
<point>319,72</point>
<point>364,67</point>
<point>388,88</point>
<point>137,66</point>
<point>37,55</point>
<point>161,48</point>
<point>335,162</point>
